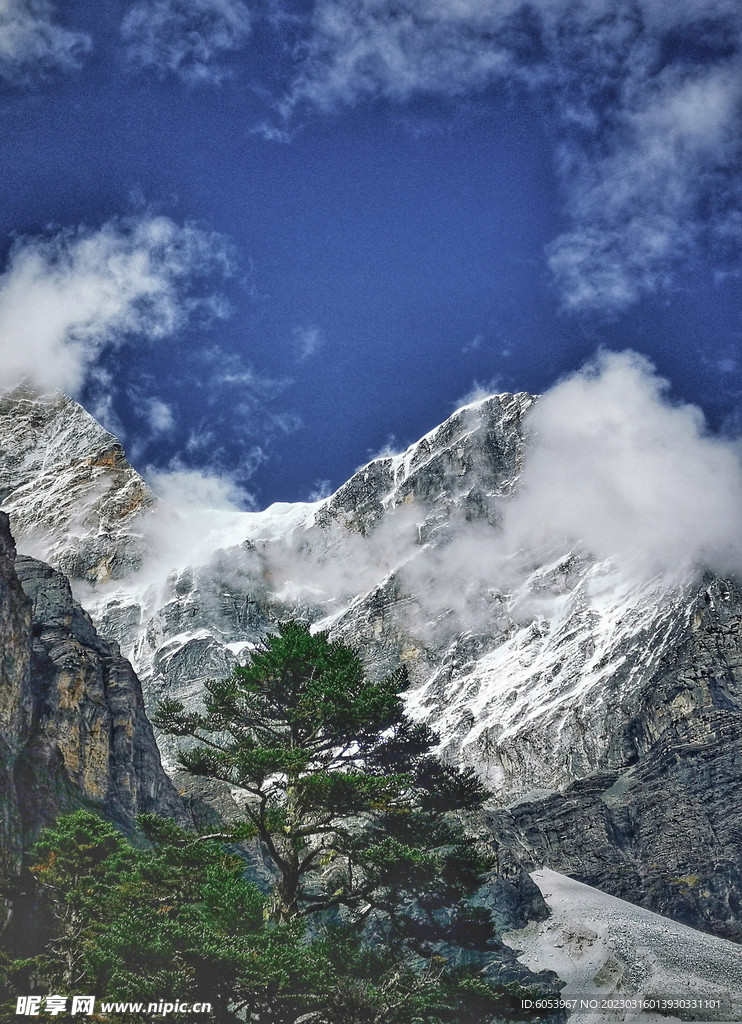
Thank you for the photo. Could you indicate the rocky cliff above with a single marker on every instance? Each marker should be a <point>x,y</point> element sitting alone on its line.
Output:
<point>90,740</point>
<point>72,724</point>
<point>660,822</point>
<point>602,708</point>
<point>16,700</point>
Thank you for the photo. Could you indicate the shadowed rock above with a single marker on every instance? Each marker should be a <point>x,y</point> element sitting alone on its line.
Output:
<point>72,726</point>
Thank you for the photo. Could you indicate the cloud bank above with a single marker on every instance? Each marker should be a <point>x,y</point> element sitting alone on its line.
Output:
<point>32,44</point>
<point>616,468</point>
<point>64,297</point>
<point>186,38</point>
<point>615,473</point>
<point>647,112</point>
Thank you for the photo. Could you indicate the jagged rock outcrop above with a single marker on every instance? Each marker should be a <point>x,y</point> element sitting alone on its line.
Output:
<point>91,741</point>
<point>73,731</point>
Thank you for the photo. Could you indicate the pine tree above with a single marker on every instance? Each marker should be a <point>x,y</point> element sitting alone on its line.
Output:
<point>180,918</point>
<point>78,864</point>
<point>351,807</point>
<point>177,918</point>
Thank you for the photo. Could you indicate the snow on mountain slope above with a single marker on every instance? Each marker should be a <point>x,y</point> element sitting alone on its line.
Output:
<point>603,707</point>
<point>531,664</point>
<point>71,495</point>
<point>611,951</point>
<point>539,708</point>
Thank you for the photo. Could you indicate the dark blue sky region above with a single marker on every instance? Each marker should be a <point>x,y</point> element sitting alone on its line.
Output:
<point>266,241</point>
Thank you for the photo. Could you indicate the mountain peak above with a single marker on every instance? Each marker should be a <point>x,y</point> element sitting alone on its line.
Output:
<point>72,497</point>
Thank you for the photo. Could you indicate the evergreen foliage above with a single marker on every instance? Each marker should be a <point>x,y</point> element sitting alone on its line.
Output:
<point>351,807</point>
<point>179,917</point>
<point>374,875</point>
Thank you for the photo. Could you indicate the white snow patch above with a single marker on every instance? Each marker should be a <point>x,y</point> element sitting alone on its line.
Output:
<point>602,946</point>
<point>240,647</point>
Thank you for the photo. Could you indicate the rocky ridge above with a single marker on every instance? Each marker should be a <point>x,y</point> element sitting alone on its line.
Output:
<point>65,482</point>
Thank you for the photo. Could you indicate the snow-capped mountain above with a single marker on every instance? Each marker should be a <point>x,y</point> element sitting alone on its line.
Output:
<point>539,665</point>
<point>70,493</point>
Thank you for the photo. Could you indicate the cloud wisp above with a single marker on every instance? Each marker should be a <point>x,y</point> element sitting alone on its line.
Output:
<point>186,38</point>
<point>368,48</point>
<point>32,44</point>
<point>308,341</point>
<point>64,297</point>
<point>645,98</point>
<point>191,490</point>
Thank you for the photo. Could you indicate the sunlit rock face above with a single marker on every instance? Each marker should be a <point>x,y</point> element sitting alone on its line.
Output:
<point>71,495</point>
<point>541,667</point>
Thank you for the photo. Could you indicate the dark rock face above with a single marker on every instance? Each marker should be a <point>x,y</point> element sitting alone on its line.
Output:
<point>661,824</point>
<point>16,703</point>
<point>72,726</point>
<point>90,741</point>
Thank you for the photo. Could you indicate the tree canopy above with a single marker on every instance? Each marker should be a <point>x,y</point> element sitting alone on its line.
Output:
<point>353,809</point>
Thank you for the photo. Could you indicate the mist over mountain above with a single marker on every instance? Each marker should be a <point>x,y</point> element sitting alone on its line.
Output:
<point>556,573</point>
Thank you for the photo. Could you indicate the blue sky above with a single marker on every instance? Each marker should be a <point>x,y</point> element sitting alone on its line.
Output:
<point>266,240</point>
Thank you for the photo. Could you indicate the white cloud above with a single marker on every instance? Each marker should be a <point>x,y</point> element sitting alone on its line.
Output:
<point>159,415</point>
<point>308,341</point>
<point>31,44</point>
<point>63,297</point>
<point>477,392</point>
<point>614,472</point>
<point>364,48</point>
<point>636,211</point>
<point>646,96</point>
<point>617,469</point>
<point>192,490</point>
<point>198,513</point>
<point>156,417</point>
<point>186,38</point>
<point>322,489</point>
